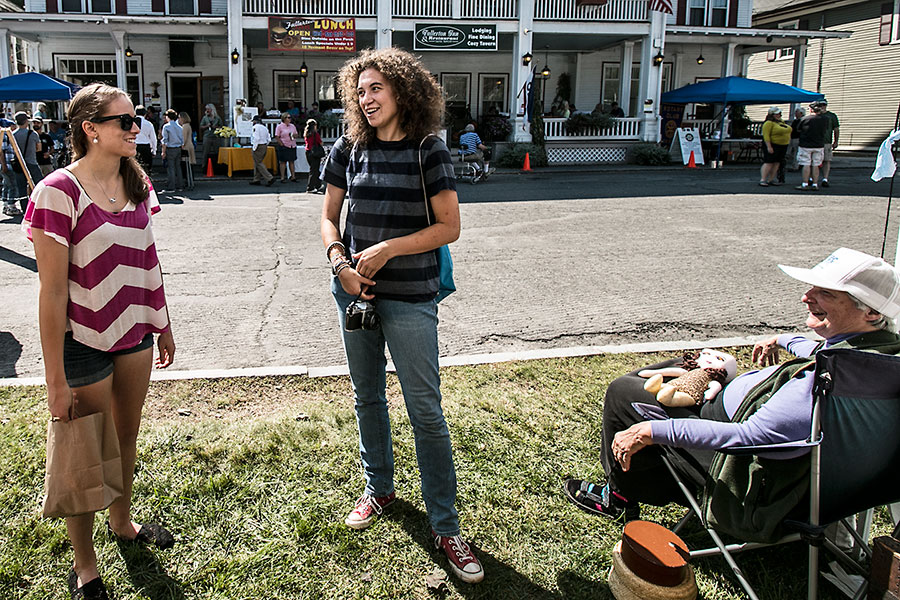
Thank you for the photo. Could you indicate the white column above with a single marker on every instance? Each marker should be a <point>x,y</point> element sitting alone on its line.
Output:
<point>651,76</point>
<point>5,69</point>
<point>118,38</point>
<point>728,59</point>
<point>521,74</point>
<point>799,65</point>
<point>625,62</point>
<point>235,71</point>
<point>384,34</point>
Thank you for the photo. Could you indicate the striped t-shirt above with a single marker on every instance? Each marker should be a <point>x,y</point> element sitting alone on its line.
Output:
<point>384,188</point>
<point>115,282</point>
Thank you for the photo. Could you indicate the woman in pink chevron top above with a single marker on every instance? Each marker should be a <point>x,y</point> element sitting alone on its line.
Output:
<point>101,298</point>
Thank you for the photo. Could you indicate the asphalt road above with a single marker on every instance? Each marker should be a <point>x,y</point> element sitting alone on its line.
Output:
<point>545,260</point>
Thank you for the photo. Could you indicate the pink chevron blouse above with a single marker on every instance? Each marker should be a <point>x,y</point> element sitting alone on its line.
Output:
<point>116,292</point>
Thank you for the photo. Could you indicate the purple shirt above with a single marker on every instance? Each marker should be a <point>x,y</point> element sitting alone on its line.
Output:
<point>786,417</point>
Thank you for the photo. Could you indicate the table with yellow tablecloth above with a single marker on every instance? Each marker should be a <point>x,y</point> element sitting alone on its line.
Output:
<point>241,159</point>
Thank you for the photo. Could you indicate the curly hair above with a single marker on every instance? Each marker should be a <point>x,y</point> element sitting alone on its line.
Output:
<point>311,127</point>
<point>420,101</point>
<point>89,104</point>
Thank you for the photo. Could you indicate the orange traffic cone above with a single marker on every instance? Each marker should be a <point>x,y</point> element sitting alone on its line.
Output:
<point>209,171</point>
<point>527,165</point>
<point>691,163</point>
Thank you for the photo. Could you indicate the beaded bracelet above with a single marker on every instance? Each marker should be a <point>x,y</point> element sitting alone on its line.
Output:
<point>334,245</point>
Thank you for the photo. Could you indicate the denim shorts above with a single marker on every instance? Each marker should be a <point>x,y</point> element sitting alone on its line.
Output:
<point>85,365</point>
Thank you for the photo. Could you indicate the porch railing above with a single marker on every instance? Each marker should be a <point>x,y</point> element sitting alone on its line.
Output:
<point>329,134</point>
<point>622,129</point>
<point>337,8</point>
<point>493,9</point>
<point>709,126</point>
<point>422,8</point>
<point>614,10</point>
<point>548,10</point>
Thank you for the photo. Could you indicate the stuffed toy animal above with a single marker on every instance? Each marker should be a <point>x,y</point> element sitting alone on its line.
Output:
<point>699,380</point>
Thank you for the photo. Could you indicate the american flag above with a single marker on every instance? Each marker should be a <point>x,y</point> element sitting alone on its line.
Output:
<point>662,6</point>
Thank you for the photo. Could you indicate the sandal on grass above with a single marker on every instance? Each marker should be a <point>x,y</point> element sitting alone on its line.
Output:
<point>149,533</point>
<point>92,590</point>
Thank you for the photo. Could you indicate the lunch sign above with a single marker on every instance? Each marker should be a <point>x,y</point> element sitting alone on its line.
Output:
<point>303,34</point>
<point>455,37</point>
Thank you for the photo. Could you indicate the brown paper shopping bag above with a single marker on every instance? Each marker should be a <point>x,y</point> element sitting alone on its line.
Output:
<point>84,467</point>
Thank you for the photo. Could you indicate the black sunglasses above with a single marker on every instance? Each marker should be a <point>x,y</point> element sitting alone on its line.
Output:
<point>125,121</point>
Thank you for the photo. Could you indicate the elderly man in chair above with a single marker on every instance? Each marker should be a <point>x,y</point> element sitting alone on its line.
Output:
<point>853,302</point>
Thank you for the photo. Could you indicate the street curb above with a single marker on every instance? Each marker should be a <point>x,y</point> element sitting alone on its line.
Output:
<point>447,361</point>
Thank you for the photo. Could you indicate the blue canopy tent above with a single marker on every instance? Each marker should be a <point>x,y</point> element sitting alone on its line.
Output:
<point>738,90</point>
<point>35,87</point>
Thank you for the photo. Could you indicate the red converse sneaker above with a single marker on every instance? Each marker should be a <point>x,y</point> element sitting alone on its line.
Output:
<point>367,508</point>
<point>462,561</point>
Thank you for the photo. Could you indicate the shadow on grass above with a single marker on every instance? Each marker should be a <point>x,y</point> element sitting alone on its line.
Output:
<point>500,579</point>
<point>147,574</point>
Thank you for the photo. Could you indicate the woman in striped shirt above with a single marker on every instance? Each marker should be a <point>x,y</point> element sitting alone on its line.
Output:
<point>101,298</point>
<point>402,207</point>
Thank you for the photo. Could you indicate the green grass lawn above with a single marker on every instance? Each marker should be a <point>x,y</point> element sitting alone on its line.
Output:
<point>255,483</point>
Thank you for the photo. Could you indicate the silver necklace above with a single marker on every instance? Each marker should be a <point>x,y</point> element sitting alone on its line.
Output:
<point>112,199</point>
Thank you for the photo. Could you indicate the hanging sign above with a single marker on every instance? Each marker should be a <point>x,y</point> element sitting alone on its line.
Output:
<point>455,37</point>
<point>302,34</point>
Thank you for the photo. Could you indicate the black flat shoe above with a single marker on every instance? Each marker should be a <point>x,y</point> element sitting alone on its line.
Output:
<point>92,590</point>
<point>149,533</point>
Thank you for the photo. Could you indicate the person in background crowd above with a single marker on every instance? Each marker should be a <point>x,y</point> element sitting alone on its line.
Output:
<point>145,140</point>
<point>97,346</point>
<point>172,141</point>
<point>616,111</point>
<point>153,116</point>
<point>312,139</point>
<point>314,109</point>
<point>832,135</point>
<point>292,110</point>
<point>260,139</point>
<point>473,151</point>
<point>58,134</point>
<point>10,188</point>
<point>208,125</point>
<point>41,112</point>
<point>776,137</point>
<point>286,139</point>
<point>791,157</point>
<point>45,156</point>
<point>29,145</point>
<point>261,109</point>
<point>812,130</point>
<point>184,120</point>
<point>386,255</point>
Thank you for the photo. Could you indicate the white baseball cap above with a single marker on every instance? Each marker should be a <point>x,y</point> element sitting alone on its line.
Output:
<point>869,279</point>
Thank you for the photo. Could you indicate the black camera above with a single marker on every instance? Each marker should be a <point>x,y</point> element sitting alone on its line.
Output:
<point>361,315</point>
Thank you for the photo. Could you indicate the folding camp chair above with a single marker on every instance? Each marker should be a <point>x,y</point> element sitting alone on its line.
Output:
<point>854,446</point>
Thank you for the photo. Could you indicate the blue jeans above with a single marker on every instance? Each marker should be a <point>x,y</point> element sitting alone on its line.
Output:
<point>410,331</point>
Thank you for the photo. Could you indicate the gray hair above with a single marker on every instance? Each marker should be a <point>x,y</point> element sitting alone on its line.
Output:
<point>801,110</point>
<point>883,322</point>
<point>212,108</point>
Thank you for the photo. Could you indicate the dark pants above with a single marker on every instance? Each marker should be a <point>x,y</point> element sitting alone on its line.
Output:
<point>173,168</point>
<point>313,183</point>
<point>648,480</point>
<point>22,183</point>
<point>145,157</point>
